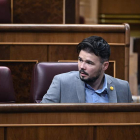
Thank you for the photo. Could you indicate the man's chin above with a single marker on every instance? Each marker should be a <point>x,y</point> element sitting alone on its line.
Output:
<point>83,78</point>
<point>88,80</point>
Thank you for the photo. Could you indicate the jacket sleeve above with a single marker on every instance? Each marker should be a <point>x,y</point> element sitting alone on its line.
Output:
<point>53,93</point>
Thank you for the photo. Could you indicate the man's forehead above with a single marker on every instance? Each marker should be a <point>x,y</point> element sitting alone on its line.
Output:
<point>86,56</point>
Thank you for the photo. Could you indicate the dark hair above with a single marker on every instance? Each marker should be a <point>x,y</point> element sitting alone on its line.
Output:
<point>96,45</point>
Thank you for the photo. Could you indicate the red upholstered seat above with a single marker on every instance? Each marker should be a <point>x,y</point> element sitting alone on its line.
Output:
<point>7,94</point>
<point>43,74</point>
<point>5,11</point>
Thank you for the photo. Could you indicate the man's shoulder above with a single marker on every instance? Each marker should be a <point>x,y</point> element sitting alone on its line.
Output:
<point>113,79</point>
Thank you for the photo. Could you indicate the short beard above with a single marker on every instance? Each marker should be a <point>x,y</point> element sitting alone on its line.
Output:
<point>89,80</point>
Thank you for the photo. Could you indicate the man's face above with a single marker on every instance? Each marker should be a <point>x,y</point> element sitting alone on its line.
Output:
<point>90,67</point>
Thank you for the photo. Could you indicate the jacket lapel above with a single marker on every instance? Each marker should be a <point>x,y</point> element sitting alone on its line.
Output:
<point>80,88</point>
<point>111,93</point>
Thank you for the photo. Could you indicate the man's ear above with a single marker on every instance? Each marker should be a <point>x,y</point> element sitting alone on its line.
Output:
<point>105,65</point>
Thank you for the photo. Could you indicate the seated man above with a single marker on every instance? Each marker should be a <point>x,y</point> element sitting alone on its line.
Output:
<point>90,84</point>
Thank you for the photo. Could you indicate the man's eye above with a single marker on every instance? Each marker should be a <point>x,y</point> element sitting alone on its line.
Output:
<point>90,63</point>
<point>80,59</point>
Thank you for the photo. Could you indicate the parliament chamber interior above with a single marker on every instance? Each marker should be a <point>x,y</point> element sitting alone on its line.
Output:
<point>38,40</point>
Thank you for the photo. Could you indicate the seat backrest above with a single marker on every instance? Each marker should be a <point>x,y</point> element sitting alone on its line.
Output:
<point>5,13</point>
<point>7,94</point>
<point>43,74</point>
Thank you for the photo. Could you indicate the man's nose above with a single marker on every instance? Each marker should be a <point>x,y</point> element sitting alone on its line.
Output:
<point>83,65</point>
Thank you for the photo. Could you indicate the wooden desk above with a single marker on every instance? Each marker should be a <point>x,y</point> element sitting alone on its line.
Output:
<point>70,121</point>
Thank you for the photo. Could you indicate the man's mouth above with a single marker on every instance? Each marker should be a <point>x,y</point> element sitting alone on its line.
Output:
<point>83,73</point>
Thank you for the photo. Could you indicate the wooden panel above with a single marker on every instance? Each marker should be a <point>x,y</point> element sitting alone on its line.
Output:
<point>72,11</point>
<point>70,121</point>
<point>133,74</point>
<point>118,133</point>
<point>1,133</point>
<point>63,37</point>
<point>64,52</point>
<point>136,48</point>
<point>119,7</point>
<point>28,52</point>
<point>111,69</point>
<point>118,55</point>
<point>38,11</point>
<point>21,73</point>
<point>5,52</point>
<point>76,113</point>
<point>96,132</point>
<point>68,117</point>
<point>51,133</point>
<point>59,52</point>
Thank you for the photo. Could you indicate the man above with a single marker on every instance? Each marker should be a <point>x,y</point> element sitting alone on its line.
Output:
<point>90,84</point>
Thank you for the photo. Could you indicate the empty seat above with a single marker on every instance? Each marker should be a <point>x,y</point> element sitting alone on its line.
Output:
<point>42,76</point>
<point>7,94</point>
<point>5,11</point>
